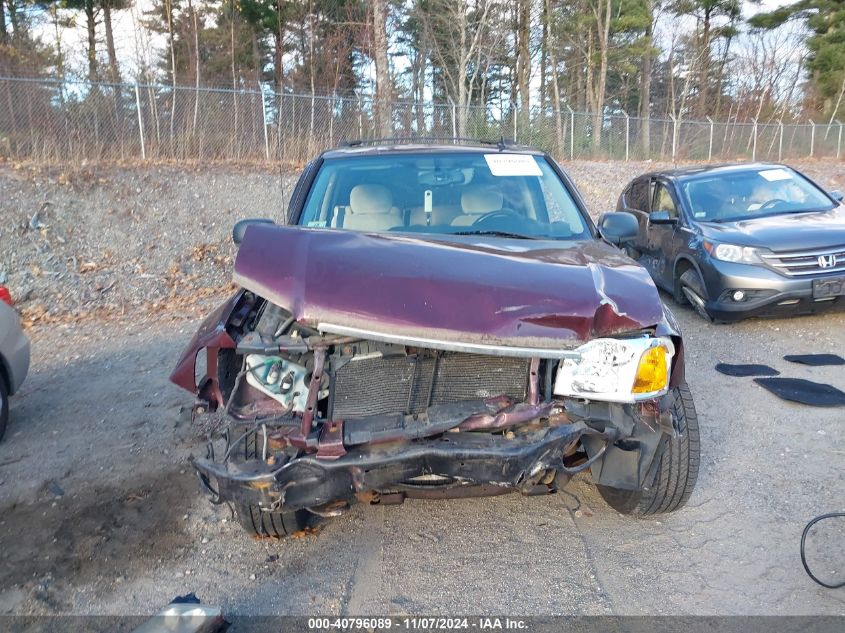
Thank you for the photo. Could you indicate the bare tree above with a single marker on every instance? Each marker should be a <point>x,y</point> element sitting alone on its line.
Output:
<point>645,80</point>
<point>597,86</point>
<point>552,48</point>
<point>460,36</point>
<point>384,91</point>
<point>523,59</point>
<point>4,36</point>
<point>114,69</point>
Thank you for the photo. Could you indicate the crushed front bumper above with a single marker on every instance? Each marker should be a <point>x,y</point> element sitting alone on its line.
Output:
<point>620,450</point>
<point>466,458</point>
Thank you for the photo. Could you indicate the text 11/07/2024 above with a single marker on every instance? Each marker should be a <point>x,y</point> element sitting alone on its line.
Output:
<point>417,624</point>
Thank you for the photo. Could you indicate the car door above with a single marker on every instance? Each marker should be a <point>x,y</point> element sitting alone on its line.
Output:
<point>659,250</point>
<point>635,200</point>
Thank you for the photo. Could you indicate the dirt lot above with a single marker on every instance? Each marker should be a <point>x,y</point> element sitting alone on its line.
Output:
<point>100,514</point>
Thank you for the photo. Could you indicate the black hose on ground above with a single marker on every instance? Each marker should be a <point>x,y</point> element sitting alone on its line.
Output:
<point>803,542</point>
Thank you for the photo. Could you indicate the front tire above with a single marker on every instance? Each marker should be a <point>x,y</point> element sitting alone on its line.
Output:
<point>692,289</point>
<point>260,523</point>
<point>676,471</point>
<point>4,406</point>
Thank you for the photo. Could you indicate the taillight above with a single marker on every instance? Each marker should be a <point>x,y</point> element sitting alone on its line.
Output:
<point>5,296</point>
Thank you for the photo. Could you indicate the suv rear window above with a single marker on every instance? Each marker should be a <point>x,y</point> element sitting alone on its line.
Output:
<point>450,193</point>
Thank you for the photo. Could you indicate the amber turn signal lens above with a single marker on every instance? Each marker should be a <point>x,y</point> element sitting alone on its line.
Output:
<point>652,372</point>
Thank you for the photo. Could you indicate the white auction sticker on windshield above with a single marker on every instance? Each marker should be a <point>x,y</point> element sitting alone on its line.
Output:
<point>776,174</point>
<point>512,165</point>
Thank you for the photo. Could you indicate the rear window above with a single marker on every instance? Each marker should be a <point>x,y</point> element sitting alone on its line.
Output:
<point>451,193</point>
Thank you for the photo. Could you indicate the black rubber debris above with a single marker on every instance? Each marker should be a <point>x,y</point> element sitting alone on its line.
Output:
<point>814,394</point>
<point>815,360</point>
<point>746,370</point>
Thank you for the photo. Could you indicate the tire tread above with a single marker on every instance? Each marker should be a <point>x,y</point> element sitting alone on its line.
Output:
<point>677,469</point>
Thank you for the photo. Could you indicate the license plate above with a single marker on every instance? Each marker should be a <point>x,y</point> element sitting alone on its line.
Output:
<point>832,287</point>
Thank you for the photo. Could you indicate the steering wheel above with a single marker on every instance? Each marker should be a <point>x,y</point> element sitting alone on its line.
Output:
<point>494,215</point>
<point>772,203</point>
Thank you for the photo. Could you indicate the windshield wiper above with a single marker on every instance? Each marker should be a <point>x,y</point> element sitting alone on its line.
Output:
<point>519,236</point>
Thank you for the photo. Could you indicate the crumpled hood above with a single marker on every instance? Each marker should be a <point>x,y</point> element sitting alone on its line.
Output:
<point>470,290</point>
<point>786,232</point>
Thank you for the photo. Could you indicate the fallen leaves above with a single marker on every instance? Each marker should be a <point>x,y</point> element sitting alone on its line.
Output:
<point>306,531</point>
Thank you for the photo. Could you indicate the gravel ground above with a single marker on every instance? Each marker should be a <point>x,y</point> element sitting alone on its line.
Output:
<point>100,514</point>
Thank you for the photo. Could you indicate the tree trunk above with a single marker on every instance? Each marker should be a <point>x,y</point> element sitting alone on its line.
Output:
<point>92,40</point>
<point>463,102</point>
<point>13,17</point>
<point>523,63</point>
<point>383,91</point>
<point>60,53</point>
<point>645,89</point>
<point>419,91</point>
<point>278,61</point>
<point>195,26</point>
<point>256,55</point>
<point>704,72</point>
<point>603,23</point>
<point>459,122</point>
<point>169,8</point>
<point>4,37</point>
<point>544,55</point>
<point>114,71</point>
<point>722,64</point>
<point>279,51</point>
<point>235,139</point>
<point>552,52</point>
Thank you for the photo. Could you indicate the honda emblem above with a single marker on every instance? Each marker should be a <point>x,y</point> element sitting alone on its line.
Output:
<point>827,261</point>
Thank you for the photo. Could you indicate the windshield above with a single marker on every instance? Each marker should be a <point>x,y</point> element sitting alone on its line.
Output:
<point>752,193</point>
<point>515,195</point>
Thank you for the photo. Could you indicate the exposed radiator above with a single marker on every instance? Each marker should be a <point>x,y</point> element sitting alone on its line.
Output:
<point>408,384</point>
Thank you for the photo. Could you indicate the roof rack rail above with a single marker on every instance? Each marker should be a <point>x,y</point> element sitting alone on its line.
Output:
<point>502,143</point>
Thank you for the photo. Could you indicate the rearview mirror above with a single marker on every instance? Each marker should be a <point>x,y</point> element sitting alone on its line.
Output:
<point>241,226</point>
<point>661,217</point>
<point>837,195</point>
<point>618,228</point>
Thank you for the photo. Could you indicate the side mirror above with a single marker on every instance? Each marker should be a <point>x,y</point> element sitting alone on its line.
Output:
<point>661,217</point>
<point>240,227</point>
<point>618,228</point>
<point>837,195</point>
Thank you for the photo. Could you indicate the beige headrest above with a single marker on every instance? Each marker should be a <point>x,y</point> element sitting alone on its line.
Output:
<point>478,199</point>
<point>370,199</point>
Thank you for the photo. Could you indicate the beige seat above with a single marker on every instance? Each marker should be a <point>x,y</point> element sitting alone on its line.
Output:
<point>440,214</point>
<point>371,209</point>
<point>476,200</point>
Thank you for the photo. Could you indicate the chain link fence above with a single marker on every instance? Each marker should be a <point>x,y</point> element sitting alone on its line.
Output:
<point>54,121</point>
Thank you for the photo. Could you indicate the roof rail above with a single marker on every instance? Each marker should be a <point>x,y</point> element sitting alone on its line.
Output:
<point>502,143</point>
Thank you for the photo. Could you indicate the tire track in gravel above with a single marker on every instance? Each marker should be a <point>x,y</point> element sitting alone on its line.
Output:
<point>364,592</point>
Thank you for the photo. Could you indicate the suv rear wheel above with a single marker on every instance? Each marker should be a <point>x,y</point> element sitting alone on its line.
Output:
<point>676,471</point>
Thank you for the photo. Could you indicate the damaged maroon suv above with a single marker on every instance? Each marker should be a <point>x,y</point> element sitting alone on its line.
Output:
<point>439,321</point>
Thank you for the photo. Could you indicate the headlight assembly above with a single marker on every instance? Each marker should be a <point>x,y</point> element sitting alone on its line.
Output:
<point>617,370</point>
<point>733,253</point>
